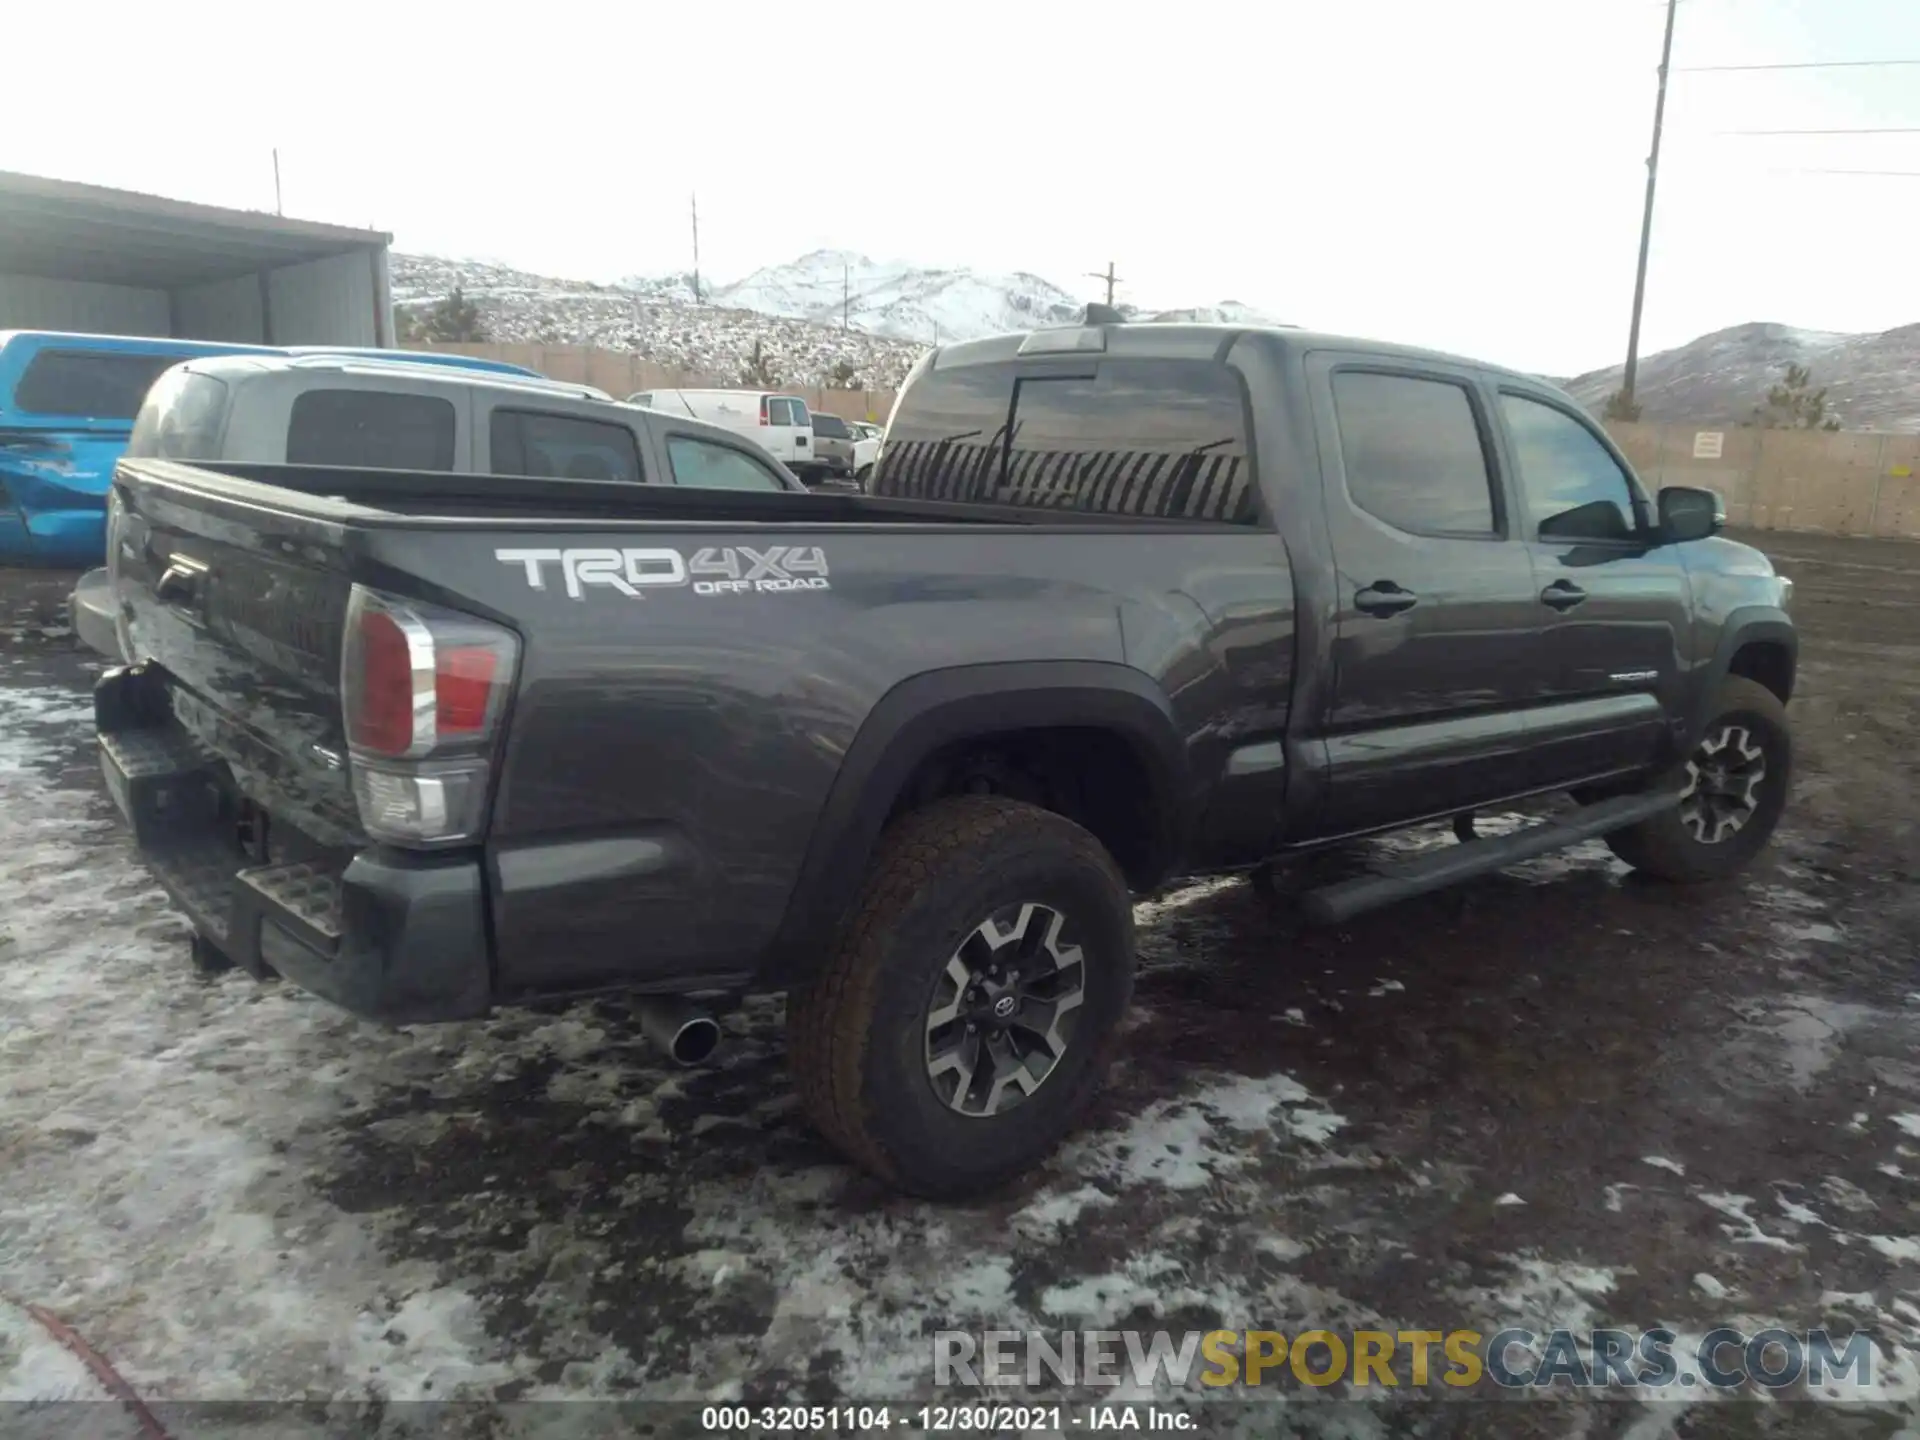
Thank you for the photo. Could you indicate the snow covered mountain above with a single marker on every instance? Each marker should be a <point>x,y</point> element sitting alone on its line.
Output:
<point>656,318</point>
<point>1872,381</point>
<point>903,301</point>
<point>929,306</point>
<point>793,311</point>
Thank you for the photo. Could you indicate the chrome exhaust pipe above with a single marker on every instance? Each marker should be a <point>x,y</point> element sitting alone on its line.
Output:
<point>679,1027</point>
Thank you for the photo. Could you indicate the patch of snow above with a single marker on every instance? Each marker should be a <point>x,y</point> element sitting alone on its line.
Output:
<point>1852,1299</point>
<point>1709,1287</point>
<point>1796,1212</point>
<point>1747,1231</point>
<point>1056,1210</point>
<point>1386,987</point>
<point>36,1369</point>
<point>1185,1143</point>
<point>1660,1162</point>
<point>1509,1199</point>
<point>1908,1124</point>
<point>1546,1294</point>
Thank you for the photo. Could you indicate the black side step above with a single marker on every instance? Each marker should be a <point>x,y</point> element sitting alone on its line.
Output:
<point>1331,904</point>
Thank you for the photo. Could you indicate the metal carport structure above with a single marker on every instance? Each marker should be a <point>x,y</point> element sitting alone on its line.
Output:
<point>91,259</point>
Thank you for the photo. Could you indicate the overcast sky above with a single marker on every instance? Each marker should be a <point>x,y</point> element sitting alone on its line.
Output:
<point>1465,174</point>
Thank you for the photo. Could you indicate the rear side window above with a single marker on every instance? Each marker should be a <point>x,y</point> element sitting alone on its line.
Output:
<point>97,384</point>
<point>831,426</point>
<point>539,442</point>
<point>1413,453</point>
<point>1164,439</point>
<point>371,428</point>
<point>786,412</point>
<point>181,419</point>
<point>707,466</point>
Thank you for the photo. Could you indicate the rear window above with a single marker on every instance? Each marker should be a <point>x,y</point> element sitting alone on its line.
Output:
<point>181,419</point>
<point>831,426</point>
<point>98,384</point>
<point>539,442</point>
<point>371,428</point>
<point>1164,439</point>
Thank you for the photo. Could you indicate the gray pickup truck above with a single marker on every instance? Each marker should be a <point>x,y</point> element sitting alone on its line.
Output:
<point>1125,603</point>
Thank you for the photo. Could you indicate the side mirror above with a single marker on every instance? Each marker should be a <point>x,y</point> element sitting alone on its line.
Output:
<point>1689,514</point>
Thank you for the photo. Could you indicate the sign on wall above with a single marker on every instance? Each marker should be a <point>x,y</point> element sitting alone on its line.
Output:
<point>1707,444</point>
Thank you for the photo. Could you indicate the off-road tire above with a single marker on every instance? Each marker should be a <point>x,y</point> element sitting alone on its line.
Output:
<point>1664,848</point>
<point>857,1032</point>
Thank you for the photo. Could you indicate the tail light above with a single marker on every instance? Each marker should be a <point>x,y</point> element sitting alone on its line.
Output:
<point>424,689</point>
<point>765,418</point>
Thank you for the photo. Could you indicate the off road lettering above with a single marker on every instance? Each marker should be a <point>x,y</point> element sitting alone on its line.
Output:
<point>711,570</point>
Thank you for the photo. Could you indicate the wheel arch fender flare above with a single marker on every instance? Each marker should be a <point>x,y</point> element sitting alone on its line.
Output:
<point>1749,624</point>
<point>933,710</point>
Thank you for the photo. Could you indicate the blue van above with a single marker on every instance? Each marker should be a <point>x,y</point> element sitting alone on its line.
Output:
<point>67,404</point>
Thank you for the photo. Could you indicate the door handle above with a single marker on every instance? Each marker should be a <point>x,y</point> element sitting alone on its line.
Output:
<point>1562,595</point>
<point>1384,598</point>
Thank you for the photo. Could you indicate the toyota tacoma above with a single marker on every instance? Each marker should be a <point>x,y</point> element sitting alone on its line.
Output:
<point>1125,603</point>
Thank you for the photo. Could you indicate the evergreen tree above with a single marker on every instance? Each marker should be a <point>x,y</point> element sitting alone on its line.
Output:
<point>1795,405</point>
<point>758,372</point>
<point>454,320</point>
<point>1621,406</point>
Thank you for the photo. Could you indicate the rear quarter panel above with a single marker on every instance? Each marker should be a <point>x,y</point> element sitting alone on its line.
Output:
<point>668,753</point>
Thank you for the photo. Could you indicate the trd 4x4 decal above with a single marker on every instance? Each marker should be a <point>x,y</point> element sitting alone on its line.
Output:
<point>711,570</point>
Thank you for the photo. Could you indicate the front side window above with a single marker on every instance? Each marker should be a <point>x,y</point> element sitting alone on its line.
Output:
<point>542,443</point>
<point>1574,489</point>
<point>97,384</point>
<point>707,466</point>
<point>1413,454</point>
<point>374,429</point>
<point>782,411</point>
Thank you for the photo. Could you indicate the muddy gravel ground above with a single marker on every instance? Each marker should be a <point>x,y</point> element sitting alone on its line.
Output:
<point>1555,1097</point>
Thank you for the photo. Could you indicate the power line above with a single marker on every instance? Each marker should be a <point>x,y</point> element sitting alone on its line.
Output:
<point>1867,130</point>
<point>1795,65</point>
<point>1902,174</point>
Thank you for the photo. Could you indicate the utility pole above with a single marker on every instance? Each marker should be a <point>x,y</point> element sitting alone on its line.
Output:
<point>846,294</point>
<point>276,182</point>
<point>696,249</point>
<point>1108,276</point>
<point>1646,218</point>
